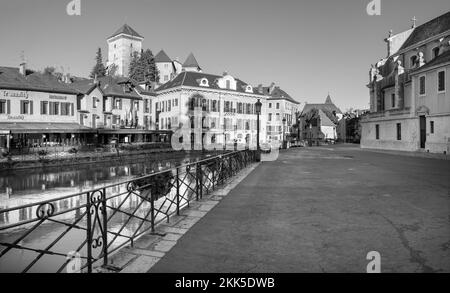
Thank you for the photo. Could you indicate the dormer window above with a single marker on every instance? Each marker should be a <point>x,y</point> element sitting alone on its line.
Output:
<point>204,82</point>
<point>249,89</point>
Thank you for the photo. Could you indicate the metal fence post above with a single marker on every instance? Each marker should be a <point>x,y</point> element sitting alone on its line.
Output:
<point>201,180</point>
<point>89,232</point>
<point>152,209</point>
<point>105,228</point>
<point>178,191</point>
<point>197,182</point>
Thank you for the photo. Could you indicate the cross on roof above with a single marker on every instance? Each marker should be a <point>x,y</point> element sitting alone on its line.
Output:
<point>414,22</point>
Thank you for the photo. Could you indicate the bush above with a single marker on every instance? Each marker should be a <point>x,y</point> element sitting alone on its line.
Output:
<point>42,153</point>
<point>73,151</point>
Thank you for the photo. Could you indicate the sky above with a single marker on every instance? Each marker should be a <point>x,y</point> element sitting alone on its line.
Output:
<point>308,48</point>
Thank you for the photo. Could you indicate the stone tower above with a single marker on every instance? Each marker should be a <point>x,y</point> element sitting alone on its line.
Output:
<point>121,46</point>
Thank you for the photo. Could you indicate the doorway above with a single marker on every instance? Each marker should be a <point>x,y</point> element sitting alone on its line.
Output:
<point>423,131</point>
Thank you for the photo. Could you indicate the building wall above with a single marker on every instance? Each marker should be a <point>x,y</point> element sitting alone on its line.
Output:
<point>36,98</point>
<point>93,116</point>
<point>165,71</point>
<point>235,127</point>
<point>120,113</point>
<point>120,52</point>
<point>435,106</point>
<point>286,110</point>
<point>410,136</point>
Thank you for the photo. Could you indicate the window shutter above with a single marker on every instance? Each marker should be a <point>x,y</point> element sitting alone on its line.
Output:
<point>120,104</point>
<point>72,110</point>
<point>31,107</point>
<point>8,107</point>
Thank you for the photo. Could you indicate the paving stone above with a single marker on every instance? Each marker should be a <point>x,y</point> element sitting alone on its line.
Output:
<point>146,241</point>
<point>146,252</point>
<point>172,237</point>
<point>164,245</point>
<point>121,259</point>
<point>141,265</point>
<point>167,229</point>
<point>195,214</point>
<point>206,207</point>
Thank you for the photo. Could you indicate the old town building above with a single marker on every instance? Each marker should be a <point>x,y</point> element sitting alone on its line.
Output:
<point>227,107</point>
<point>282,111</point>
<point>318,122</point>
<point>409,97</point>
<point>37,109</point>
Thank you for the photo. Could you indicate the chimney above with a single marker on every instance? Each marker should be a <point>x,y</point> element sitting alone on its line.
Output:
<point>96,79</point>
<point>68,79</point>
<point>260,89</point>
<point>23,69</point>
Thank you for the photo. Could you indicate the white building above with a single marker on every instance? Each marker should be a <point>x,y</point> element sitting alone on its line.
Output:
<point>227,107</point>
<point>409,96</point>
<point>282,111</point>
<point>37,109</point>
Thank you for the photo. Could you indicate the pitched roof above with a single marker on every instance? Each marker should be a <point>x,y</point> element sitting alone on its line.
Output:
<point>84,86</point>
<point>192,78</point>
<point>329,106</point>
<point>118,87</point>
<point>10,78</point>
<point>429,29</point>
<point>278,94</point>
<point>441,59</point>
<point>325,120</point>
<point>191,61</point>
<point>126,30</point>
<point>162,57</point>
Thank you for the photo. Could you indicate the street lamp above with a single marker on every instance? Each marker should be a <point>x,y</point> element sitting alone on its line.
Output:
<point>284,132</point>
<point>258,107</point>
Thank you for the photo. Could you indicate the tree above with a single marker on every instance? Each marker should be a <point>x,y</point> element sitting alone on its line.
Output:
<point>143,67</point>
<point>99,69</point>
<point>50,70</point>
<point>136,70</point>
<point>112,70</point>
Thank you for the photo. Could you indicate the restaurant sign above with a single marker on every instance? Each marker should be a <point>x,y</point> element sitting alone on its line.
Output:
<point>15,94</point>
<point>17,117</point>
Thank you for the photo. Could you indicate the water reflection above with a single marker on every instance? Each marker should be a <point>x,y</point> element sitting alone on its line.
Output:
<point>29,186</point>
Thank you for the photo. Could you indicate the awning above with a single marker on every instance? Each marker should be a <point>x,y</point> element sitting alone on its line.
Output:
<point>25,127</point>
<point>132,131</point>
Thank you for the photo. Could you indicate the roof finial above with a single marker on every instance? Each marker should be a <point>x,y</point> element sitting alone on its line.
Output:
<point>414,22</point>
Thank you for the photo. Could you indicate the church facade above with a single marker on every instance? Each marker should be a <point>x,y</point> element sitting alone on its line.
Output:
<point>409,91</point>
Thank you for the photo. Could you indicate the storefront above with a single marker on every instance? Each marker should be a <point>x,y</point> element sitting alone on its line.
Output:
<point>34,135</point>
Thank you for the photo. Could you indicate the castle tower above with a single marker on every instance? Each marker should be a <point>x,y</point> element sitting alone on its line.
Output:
<point>191,64</point>
<point>121,46</point>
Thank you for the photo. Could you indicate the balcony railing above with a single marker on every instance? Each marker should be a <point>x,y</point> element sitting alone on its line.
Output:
<point>89,227</point>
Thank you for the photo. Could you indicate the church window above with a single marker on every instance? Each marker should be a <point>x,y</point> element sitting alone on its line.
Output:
<point>399,131</point>
<point>422,85</point>
<point>413,61</point>
<point>435,52</point>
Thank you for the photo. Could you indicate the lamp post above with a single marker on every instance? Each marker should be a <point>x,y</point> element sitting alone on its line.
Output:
<point>284,133</point>
<point>258,107</point>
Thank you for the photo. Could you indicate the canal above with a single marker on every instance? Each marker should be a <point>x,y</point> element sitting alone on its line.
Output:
<point>25,187</point>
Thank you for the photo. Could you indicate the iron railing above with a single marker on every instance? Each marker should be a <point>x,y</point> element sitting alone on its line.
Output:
<point>90,226</point>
